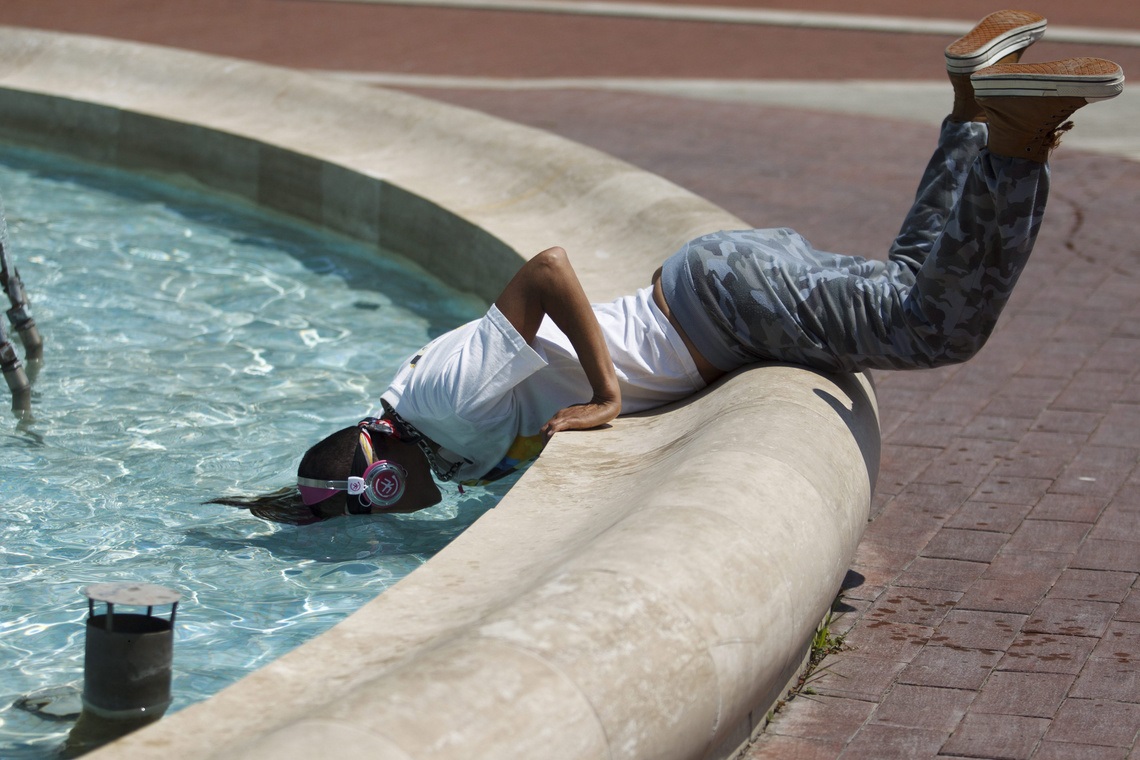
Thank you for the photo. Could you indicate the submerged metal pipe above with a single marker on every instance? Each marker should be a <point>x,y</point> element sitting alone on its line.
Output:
<point>18,315</point>
<point>14,374</point>
<point>127,664</point>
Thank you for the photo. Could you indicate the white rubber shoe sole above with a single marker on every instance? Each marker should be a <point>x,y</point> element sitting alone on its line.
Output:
<point>1088,78</point>
<point>993,38</point>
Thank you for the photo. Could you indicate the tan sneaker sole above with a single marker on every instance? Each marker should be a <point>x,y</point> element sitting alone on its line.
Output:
<point>1088,78</point>
<point>993,38</point>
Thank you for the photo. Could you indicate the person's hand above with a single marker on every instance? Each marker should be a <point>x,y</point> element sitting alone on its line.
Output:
<point>593,414</point>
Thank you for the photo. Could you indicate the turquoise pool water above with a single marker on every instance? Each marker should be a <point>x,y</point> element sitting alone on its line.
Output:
<point>194,347</point>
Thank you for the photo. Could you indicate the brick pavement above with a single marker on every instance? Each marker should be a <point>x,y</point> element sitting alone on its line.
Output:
<point>993,607</point>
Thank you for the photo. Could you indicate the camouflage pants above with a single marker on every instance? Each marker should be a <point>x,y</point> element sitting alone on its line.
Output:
<point>768,295</point>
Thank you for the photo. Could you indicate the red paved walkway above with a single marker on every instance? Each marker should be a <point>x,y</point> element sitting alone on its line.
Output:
<point>994,604</point>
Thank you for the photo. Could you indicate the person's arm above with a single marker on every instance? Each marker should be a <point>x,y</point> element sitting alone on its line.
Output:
<point>547,286</point>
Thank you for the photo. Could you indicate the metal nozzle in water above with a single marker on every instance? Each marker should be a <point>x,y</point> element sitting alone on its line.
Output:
<point>18,315</point>
<point>14,373</point>
<point>127,664</point>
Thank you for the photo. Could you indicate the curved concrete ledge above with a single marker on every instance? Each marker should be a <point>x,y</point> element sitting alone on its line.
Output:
<point>645,591</point>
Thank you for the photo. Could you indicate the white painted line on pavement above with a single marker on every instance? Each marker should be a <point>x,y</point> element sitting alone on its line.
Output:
<point>763,16</point>
<point>1101,128</point>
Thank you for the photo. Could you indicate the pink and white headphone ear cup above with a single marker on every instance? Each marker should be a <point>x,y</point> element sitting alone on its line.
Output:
<point>384,483</point>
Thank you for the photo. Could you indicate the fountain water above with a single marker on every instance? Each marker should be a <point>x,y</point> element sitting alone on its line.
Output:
<point>196,347</point>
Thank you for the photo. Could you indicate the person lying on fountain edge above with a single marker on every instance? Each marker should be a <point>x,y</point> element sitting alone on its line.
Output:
<point>482,400</point>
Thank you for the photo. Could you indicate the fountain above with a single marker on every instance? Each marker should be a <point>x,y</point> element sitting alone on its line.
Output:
<point>625,599</point>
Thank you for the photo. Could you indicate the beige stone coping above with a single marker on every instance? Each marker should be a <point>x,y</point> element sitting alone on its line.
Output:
<point>644,591</point>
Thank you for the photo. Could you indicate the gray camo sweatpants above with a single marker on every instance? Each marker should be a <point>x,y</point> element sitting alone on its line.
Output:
<point>767,295</point>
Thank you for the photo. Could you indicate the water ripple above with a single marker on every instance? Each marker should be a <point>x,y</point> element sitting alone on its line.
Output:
<point>194,348</point>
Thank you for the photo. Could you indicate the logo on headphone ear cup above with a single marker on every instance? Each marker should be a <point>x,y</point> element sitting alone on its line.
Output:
<point>384,483</point>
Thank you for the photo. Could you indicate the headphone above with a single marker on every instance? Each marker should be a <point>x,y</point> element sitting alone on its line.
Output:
<point>381,484</point>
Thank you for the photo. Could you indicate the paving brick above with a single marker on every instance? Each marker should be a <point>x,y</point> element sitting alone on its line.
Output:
<point>964,462</point>
<point>1097,471</point>
<point>1096,721</point>
<point>1046,389</point>
<point>1112,678</point>
<point>1014,595</point>
<point>1111,294</point>
<point>775,747</point>
<point>921,434</point>
<point>1001,737</point>
<point>895,641</point>
<point>1102,554</point>
<point>1098,324</point>
<point>1070,617</point>
<point>1130,607</point>
<point>906,523</point>
<point>1094,585</point>
<point>1121,641</point>
<point>1091,391</point>
<point>820,717</point>
<point>1046,454</point>
<point>1048,536</point>
<point>1013,563</point>
<point>887,551</point>
<point>1033,695</point>
<point>846,613</point>
<point>939,409</point>
<point>1046,653</point>
<point>969,629</point>
<point>1070,507</point>
<point>856,676</point>
<point>881,498</point>
<point>988,378</point>
<point>969,545</point>
<point>990,427</point>
<point>950,667</point>
<point>1113,670</point>
<point>1128,497</point>
<point>923,707</point>
<point>873,577</point>
<point>881,551</point>
<point>885,742</point>
<point>1117,354</point>
<point>1001,518</point>
<point>900,465</point>
<point>1121,427</point>
<point>1056,364</point>
<point>1117,522</point>
<point>925,503</point>
<point>925,607</point>
<point>1013,405</point>
<point>1012,490</point>
<point>1047,465</point>
<point>1081,423</point>
<point>945,574</point>
<point>1066,751</point>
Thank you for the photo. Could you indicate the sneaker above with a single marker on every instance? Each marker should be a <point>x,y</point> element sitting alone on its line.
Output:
<point>1088,78</point>
<point>995,37</point>
<point>1028,105</point>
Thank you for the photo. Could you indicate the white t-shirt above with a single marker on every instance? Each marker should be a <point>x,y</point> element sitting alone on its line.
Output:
<point>482,392</point>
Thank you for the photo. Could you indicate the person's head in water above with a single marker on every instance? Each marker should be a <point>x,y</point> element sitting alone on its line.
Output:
<point>368,468</point>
